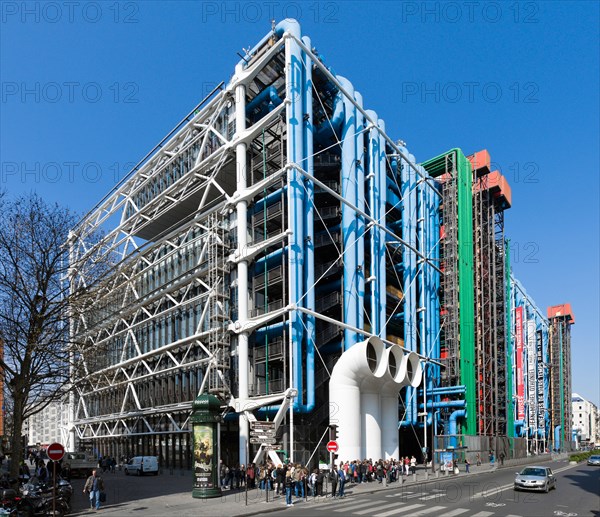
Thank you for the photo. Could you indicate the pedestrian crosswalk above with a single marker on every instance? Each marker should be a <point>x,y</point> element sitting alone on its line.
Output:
<point>403,504</point>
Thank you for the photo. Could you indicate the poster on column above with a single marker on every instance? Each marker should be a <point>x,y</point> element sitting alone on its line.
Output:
<point>203,456</point>
<point>540,381</point>
<point>519,363</point>
<point>531,376</point>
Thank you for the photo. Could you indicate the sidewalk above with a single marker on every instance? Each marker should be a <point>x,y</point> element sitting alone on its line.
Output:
<point>178,500</point>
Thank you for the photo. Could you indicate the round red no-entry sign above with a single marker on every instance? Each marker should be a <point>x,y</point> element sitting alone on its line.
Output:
<point>55,451</point>
<point>332,446</point>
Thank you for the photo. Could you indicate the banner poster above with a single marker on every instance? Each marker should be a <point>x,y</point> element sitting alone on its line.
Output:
<point>531,376</point>
<point>203,456</point>
<point>519,363</point>
<point>540,381</point>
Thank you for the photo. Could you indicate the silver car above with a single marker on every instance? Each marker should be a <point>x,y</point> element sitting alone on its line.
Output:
<point>594,460</point>
<point>535,478</point>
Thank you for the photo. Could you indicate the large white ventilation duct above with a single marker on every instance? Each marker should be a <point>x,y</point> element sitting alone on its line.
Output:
<point>408,372</point>
<point>363,398</point>
<point>357,370</point>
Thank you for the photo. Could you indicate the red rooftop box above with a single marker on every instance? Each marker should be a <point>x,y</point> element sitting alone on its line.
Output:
<point>561,310</point>
<point>498,187</point>
<point>480,162</point>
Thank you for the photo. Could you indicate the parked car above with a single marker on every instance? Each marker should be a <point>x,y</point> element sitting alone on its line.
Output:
<point>535,478</point>
<point>594,460</point>
<point>141,465</point>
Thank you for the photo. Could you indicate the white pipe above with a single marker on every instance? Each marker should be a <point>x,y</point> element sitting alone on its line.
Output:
<point>357,365</point>
<point>395,376</point>
<point>242,268</point>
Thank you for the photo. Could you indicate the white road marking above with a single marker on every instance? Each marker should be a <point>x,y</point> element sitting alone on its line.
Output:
<point>347,506</point>
<point>430,510</point>
<point>458,511</point>
<point>376,508</point>
<point>482,514</point>
<point>397,511</point>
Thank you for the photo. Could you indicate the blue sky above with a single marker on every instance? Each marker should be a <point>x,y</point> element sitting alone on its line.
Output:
<point>88,88</point>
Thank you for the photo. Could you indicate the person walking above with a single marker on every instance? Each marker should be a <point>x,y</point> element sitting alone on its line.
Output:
<point>94,485</point>
<point>333,477</point>
<point>467,465</point>
<point>342,481</point>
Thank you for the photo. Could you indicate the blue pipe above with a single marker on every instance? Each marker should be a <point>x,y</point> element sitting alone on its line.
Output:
<point>269,200</point>
<point>309,246</point>
<point>519,427</point>
<point>557,443</point>
<point>326,129</point>
<point>380,246</point>
<point>270,259</point>
<point>271,331</point>
<point>348,215</point>
<point>374,193</point>
<point>265,101</point>
<point>459,413</point>
<point>448,390</point>
<point>295,84</point>
<point>444,404</point>
<point>359,245</point>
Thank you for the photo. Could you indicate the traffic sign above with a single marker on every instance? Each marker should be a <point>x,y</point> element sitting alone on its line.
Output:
<point>262,425</point>
<point>332,446</point>
<point>55,451</point>
<point>263,432</point>
<point>274,447</point>
<point>264,439</point>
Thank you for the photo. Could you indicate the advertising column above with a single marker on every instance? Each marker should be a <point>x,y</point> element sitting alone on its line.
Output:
<point>206,416</point>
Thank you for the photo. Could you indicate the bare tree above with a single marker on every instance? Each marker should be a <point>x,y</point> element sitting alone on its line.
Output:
<point>35,302</point>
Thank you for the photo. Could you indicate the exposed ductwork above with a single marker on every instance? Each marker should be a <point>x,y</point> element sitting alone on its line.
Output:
<point>363,397</point>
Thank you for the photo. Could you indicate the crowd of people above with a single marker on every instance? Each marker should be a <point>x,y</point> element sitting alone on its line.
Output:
<point>294,479</point>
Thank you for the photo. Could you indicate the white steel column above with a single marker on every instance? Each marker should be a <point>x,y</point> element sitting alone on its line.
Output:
<point>242,268</point>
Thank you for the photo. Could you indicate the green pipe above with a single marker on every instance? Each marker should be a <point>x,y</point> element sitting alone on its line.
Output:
<point>562,394</point>
<point>510,420</point>
<point>436,167</point>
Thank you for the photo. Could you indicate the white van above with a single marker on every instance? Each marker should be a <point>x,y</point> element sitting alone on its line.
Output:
<point>141,465</point>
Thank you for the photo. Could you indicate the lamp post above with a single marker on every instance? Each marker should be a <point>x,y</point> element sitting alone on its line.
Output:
<point>206,419</point>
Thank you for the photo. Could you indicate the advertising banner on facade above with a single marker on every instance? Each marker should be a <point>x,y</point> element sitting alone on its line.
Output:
<point>531,376</point>
<point>540,381</point>
<point>519,363</point>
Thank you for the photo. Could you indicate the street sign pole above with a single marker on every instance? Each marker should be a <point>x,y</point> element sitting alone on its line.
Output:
<point>54,488</point>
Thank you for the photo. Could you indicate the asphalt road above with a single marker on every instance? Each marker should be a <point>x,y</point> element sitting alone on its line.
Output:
<point>577,494</point>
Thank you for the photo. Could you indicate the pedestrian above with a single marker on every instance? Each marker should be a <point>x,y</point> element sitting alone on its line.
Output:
<point>478,460</point>
<point>413,464</point>
<point>333,477</point>
<point>502,459</point>
<point>342,481</point>
<point>94,485</point>
<point>319,484</point>
<point>467,465</point>
<point>289,485</point>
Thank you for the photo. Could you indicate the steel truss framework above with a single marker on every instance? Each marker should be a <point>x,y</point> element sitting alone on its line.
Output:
<point>490,310</point>
<point>207,293</point>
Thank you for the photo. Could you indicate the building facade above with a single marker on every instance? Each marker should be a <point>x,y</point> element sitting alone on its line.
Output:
<point>278,249</point>
<point>585,421</point>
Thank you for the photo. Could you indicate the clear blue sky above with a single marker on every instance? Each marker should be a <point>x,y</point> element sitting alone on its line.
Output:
<point>90,87</point>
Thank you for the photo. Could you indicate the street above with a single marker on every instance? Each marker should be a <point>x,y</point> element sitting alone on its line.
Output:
<point>577,494</point>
